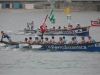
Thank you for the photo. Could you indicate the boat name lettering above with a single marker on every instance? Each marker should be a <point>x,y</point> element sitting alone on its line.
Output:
<point>68,47</point>
<point>69,32</point>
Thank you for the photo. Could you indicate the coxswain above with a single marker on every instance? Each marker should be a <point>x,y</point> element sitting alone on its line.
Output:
<point>64,40</point>
<point>52,40</point>
<point>46,40</point>
<point>60,40</point>
<point>82,41</point>
<point>4,35</point>
<point>41,40</point>
<point>32,25</point>
<point>36,40</point>
<point>90,40</point>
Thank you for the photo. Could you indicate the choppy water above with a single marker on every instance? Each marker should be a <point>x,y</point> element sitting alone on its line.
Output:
<point>29,62</point>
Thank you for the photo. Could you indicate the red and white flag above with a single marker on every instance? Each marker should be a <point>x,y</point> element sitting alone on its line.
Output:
<point>42,27</point>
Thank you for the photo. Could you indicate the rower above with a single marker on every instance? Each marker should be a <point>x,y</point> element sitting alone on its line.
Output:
<point>46,41</point>
<point>53,28</point>
<point>60,41</point>
<point>64,41</point>
<point>36,40</point>
<point>26,40</point>
<point>4,35</point>
<point>69,26</point>
<point>41,40</point>
<point>75,39</point>
<point>46,28</point>
<point>78,25</point>
<point>59,28</point>
<point>30,40</point>
<point>65,28</point>
<point>72,41</point>
<point>52,40</point>
<point>91,40</point>
<point>82,41</point>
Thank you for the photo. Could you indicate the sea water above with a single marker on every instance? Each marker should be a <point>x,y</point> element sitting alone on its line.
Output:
<point>32,62</point>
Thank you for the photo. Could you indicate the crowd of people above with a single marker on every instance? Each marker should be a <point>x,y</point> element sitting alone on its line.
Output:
<point>69,27</point>
<point>30,26</point>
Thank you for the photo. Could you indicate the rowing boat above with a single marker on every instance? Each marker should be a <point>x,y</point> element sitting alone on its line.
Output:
<point>78,32</point>
<point>60,47</point>
<point>95,23</point>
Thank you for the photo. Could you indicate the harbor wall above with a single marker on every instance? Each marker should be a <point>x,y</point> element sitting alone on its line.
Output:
<point>74,6</point>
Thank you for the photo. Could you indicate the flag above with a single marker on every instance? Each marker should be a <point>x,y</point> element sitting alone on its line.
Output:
<point>42,27</point>
<point>51,17</point>
<point>66,10</point>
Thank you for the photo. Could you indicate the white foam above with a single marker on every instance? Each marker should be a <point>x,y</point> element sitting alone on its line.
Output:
<point>1,44</point>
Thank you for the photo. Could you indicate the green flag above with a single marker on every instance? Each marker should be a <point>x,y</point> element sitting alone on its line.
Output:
<point>51,16</point>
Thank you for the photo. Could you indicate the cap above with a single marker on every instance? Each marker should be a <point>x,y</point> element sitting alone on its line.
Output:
<point>74,37</point>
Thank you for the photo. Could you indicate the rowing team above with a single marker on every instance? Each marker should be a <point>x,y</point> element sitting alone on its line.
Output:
<point>62,40</point>
<point>69,27</point>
